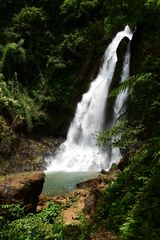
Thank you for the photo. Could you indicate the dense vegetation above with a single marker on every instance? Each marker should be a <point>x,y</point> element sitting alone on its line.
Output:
<point>49,50</point>
<point>16,224</point>
<point>132,203</point>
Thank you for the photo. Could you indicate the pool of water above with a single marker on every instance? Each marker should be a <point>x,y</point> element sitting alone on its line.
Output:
<point>63,182</point>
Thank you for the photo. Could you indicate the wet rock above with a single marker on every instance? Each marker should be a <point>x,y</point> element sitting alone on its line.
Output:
<point>23,189</point>
<point>29,155</point>
<point>104,171</point>
<point>122,163</point>
<point>90,205</point>
<point>43,201</point>
<point>113,167</point>
<point>101,180</point>
<point>91,183</point>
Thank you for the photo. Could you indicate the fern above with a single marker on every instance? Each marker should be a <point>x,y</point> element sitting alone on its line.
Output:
<point>122,135</point>
<point>131,82</point>
<point>20,107</point>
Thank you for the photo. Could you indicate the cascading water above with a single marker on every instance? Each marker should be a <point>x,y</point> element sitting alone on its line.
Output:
<point>80,151</point>
<point>119,107</point>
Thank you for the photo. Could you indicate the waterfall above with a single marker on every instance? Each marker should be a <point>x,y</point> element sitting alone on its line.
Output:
<point>120,106</point>
<point>80,151</point>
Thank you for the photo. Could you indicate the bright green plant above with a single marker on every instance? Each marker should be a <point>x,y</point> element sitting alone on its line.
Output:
<point>12,212</point>
<point>30,18</point>
<point>44,225</point>
<point>27,109</point>
<point>122,135</point>
<point>17,106</point>
<point>49,214</point>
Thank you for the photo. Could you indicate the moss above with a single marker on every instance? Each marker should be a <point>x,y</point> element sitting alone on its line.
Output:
<point>2,179</point>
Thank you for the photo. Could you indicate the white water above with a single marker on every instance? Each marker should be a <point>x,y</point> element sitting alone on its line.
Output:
<point>120,106</point>
<point>80,152</point>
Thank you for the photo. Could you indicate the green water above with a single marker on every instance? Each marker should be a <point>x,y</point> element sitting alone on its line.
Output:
<point>62,182</point>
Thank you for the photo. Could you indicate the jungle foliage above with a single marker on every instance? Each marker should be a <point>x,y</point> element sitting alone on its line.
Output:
<point>131,205</point>
<point>16,224</point>
<point>49,52</point>
<point>53,48</point>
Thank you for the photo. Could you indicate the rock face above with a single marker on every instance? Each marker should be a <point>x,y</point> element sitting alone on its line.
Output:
<point>23,189</point>
<point>28,154</point>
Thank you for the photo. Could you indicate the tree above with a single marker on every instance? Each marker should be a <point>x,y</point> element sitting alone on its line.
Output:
<point>30,24</point>
<point>13,60</point>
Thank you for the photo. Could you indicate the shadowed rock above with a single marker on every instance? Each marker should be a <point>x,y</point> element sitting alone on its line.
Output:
<point>23,189</point>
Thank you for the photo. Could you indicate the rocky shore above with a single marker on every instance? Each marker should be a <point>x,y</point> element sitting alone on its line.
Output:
<point>24,185</point>
<point>83,202</point>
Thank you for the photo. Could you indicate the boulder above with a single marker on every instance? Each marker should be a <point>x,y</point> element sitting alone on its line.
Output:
<point>113,167</point>
<point>91,183</point>
<point>22,188</point>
